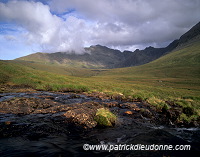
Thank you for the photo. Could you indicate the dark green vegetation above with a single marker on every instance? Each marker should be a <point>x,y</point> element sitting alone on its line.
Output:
<point>173,79</point>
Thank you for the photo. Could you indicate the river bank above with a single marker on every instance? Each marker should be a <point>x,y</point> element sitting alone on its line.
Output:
<point>41,123</point>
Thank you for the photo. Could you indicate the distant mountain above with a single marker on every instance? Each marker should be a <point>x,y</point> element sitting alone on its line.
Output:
<point>181,66</point>
<point>139,57</point>
<point>192,35</point>
<point>103,57</point>
<point>94,57</point>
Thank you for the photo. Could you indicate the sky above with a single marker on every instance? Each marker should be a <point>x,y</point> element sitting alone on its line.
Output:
<point>29,26</point>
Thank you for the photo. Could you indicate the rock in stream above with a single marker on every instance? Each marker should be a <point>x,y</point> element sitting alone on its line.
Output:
<point>59,124</point>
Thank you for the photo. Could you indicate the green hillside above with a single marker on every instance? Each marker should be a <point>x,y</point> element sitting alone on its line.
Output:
<point>182,63</point>
<point>173,77</point>
<point>16,73</point>
<point>58,69</point>
<point>176,74</point>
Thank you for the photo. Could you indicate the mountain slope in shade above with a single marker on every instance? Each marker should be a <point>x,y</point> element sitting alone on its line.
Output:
<point>94,57</point>
<point>182,63</point>
<point>103,57</point>
<point>139,57</point>
<point>149,54</point>
<point>192,35</point>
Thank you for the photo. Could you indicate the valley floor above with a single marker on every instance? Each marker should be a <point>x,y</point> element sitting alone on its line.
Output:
<point>158,100</point>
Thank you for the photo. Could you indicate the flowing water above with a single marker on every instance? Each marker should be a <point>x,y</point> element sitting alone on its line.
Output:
<point>44,134</point>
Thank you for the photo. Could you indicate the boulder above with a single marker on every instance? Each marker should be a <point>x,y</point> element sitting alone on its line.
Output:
<point>81,117</point>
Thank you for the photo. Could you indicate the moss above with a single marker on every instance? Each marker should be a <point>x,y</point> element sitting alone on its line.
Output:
<point>183,117</point>
<point>104,117</point>
<point>158,103</point>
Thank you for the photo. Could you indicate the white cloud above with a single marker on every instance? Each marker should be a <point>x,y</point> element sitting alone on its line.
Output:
<point>39,23</point>
<point>60,25</point>
<point>131,22</point>
<point>49,31</point>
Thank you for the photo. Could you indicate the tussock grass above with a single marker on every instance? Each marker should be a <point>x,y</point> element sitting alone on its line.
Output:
<point>104,117</point>
<point>174,77</point>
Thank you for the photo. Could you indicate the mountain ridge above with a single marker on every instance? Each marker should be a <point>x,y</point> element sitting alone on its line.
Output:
<point>102,57</point>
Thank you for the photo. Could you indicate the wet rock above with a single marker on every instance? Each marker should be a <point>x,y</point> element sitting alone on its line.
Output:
<point>53,109</point>
<point>146,113</point>
<point>111,104</point>
<point>118,97</point>
<point>49,97</point>
<point>128,112</point>
<point>49,127</point>
<point>173,114</point>
<point>23,105</point>
<point>78,117</point>
<point>8,122</point>
<point>99,95</point>
<point>74,96</point>
<point>128,105</point>
<point>82,115</point>
<point>132,106</point>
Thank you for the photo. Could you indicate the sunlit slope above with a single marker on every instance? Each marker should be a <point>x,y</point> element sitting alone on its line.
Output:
<point>178,71</point>
<point>176,74</point>
<point>13,73</point>
<point>58,69</point>
<point>183,62</point>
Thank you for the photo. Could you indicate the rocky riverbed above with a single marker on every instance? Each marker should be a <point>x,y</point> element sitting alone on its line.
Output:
<point>38,123</point>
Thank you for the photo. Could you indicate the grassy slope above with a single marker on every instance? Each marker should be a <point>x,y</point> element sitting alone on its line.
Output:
<point>13,73</point>
<point>45,58</point>
<point>175,76</point>
<point>58,69</point>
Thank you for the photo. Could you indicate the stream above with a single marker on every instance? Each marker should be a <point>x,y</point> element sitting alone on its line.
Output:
<point>41,128</point>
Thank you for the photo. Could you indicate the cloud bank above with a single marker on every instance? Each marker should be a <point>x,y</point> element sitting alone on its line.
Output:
<point>60,25</point>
